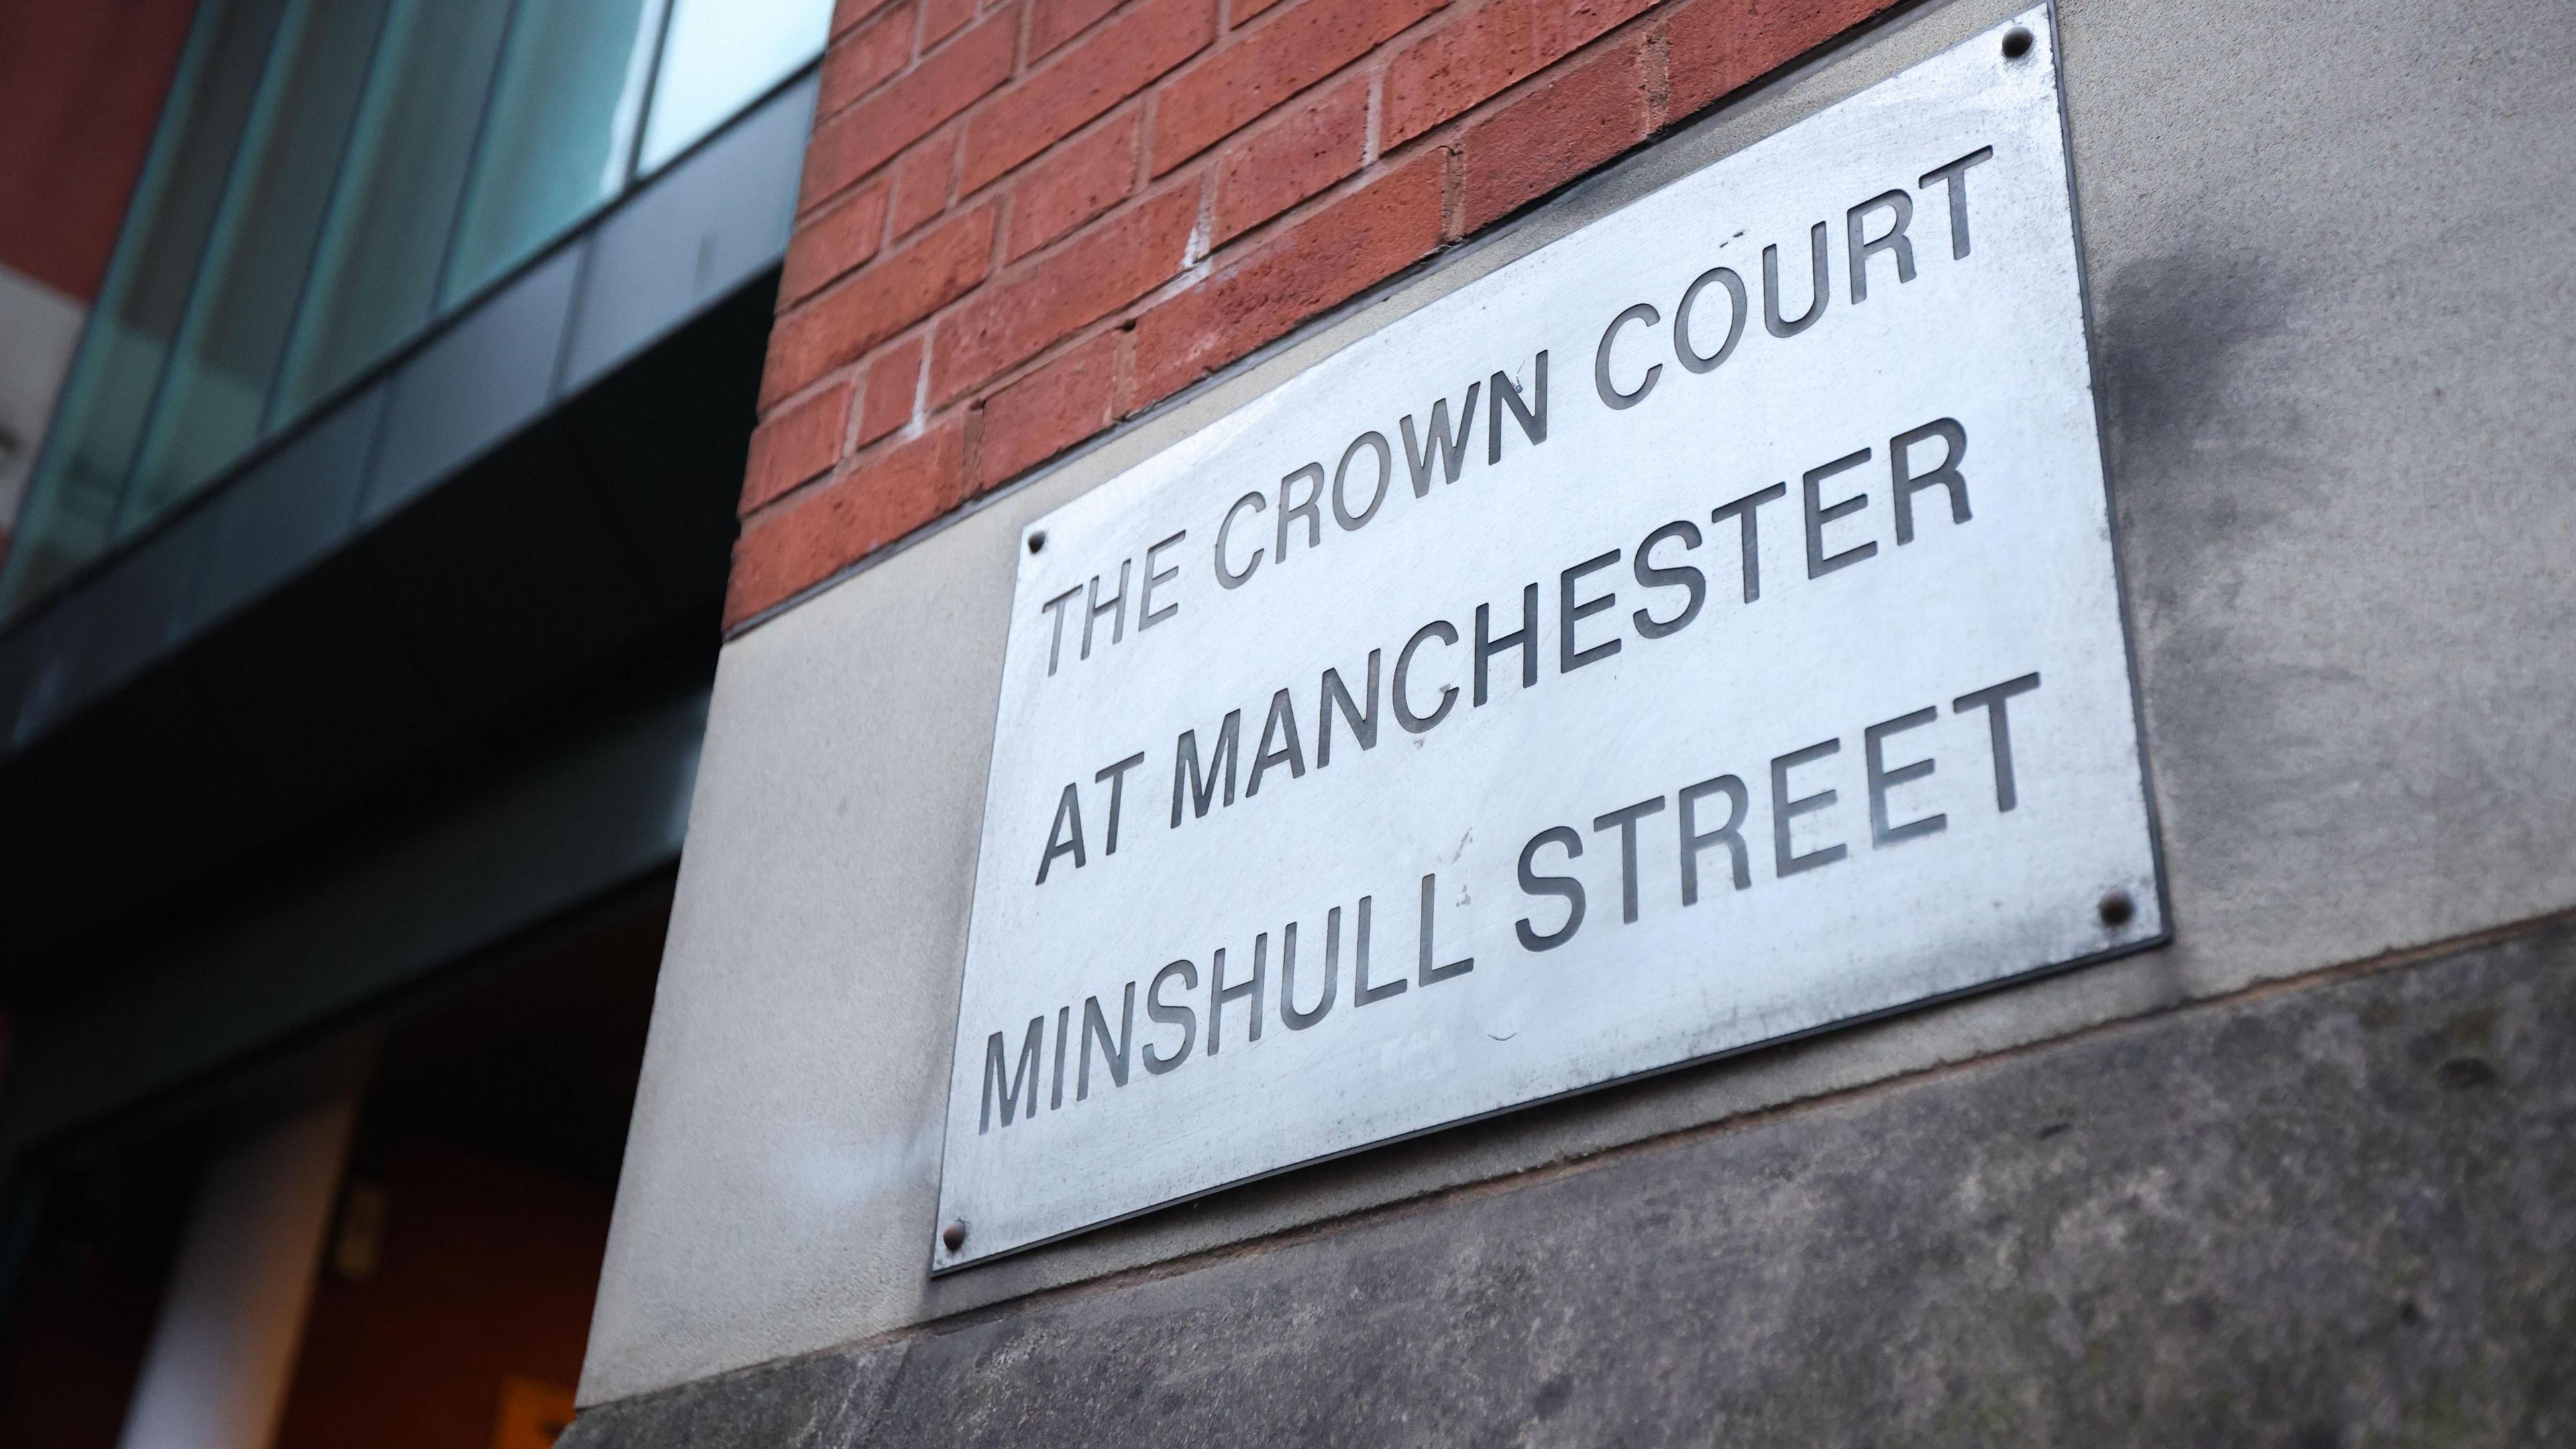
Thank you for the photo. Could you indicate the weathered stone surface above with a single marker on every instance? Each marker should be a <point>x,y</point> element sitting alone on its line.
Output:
<point>2336,1213</point>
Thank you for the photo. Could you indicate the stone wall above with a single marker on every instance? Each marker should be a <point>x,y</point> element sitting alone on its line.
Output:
<point>2331,1213</point>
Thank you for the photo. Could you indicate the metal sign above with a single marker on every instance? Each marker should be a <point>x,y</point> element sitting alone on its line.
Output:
<point>1700,631</point>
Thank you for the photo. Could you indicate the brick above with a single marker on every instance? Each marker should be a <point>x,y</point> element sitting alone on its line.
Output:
<point>1114,62</point>
<point>921,183</point>
<point>860,61</point>
<point>1497,45</point>
<point>1310,148</point>
<point>894,384</point>
<point>807,538</point>
<point>1076,182</point>
<point>1340,251</point>
<point>1301,46</point>
<point>848,13</point>
<point>1114,263</point>
<point>1719,46</point>
<point>831,242</point>
<point>941,19</point>
<point>1047,411</point>
<point>1556,132</point>
<point>1053,22</point>
<point>1242,11</point>
<point>840,325</point>
<point>853,142</point>
<point>796,444</point>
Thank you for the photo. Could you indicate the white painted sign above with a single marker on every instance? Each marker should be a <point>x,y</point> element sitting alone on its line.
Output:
<point>1697,632</point>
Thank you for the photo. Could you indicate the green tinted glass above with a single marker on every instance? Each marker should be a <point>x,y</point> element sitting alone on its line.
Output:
<point>257,253</point>
<point>376,270</point>
<point>562,126</point>
<point>72,501</point>
<point>720,57</point>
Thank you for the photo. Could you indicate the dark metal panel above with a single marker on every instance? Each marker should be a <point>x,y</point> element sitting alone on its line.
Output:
<point>289,511</point>
<point>500,599</point>
<point>484,379</point>
<point>602,810</point>
<point>697,232</point>
<point>664,440</point>
<point>198,766</point>
<point>509,574</point>
<point>106,632</point>
<point>22,651</point>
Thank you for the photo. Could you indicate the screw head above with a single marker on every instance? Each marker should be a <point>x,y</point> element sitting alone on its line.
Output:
<point>1037,540</point>
<point>2117,908</point>
<point>953,1236</point>
<point>2017,42</point>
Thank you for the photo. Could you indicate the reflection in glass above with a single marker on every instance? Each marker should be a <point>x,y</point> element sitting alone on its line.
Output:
<point>72,500</point>
<point>561,127</point>
<point>330,176</point>
<point>720,56</point>
<point>257,253</point>
<point>391,216</point>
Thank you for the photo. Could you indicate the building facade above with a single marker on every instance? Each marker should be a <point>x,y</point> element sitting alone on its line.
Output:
<point>359,619</point>
<point>2291,1175</point>
<point>2269,1142</point>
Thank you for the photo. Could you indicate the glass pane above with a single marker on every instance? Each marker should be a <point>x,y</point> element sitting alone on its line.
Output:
<point>721,55</point>
<point>73,499</point>
<point>257,254</point>
<point>561,127</point>
<point>390,218</point>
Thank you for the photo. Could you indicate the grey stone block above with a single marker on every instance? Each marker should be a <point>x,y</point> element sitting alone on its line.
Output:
<point>2338,1212</point>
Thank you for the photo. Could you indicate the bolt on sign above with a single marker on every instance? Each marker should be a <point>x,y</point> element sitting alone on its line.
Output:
<point>1700,631</point>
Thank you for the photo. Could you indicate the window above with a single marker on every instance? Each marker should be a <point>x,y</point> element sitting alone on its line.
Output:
<point>377,271</point>
<point>234,329</point>
<point>72,501</point>
<point>721,56</point>
<point>329,178</point>
<point>561,133</point>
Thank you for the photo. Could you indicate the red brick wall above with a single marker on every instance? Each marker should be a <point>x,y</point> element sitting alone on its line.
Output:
<point>80,88</point>
<point>1023,224</point>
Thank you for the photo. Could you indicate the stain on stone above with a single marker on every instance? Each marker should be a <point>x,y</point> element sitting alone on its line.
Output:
<point>2175,337</point>
<point>2052,1129</point>
<point>1552,1397</point>
<point>2409,1314</point>
<point>2428,1048</point>
<point>2213,465</point>
<point>2468,1073</point>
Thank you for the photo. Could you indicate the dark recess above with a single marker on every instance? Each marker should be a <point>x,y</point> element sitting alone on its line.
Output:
<point>575,571</point>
